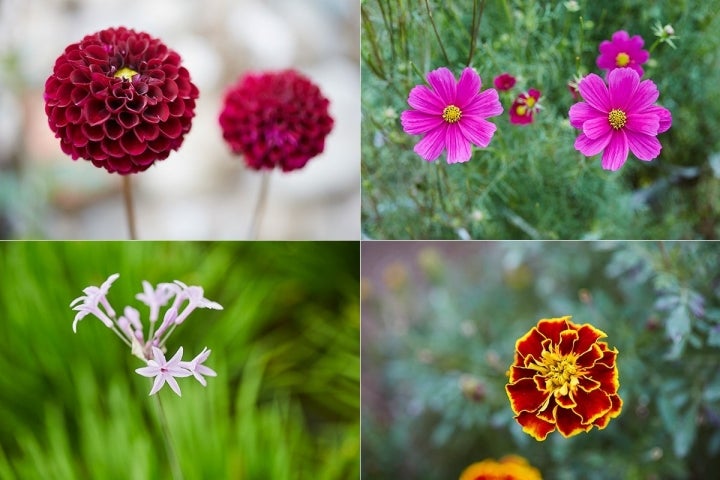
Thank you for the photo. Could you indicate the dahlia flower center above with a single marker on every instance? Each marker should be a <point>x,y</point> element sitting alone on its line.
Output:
<point>125,73</point>
<point>559,371</point>
<point>451,114</point>
<point>622,59</point>
<point>617,118</point>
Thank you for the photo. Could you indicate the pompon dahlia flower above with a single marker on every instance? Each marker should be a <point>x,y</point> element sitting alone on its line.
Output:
<point>622,51</point>
<point>525,106</point>
<point>563,378</point>
<point>120,99</point>
<point>451,115</point>
<point>619,118</point>
<point>510,467</point>
<point>275,119</point>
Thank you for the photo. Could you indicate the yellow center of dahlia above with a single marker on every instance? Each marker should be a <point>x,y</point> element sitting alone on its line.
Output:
<point>530,101</point>
<point>617,118</point>
<point>125,73</point>
<point>560,372</point>
<point>622,59</point>
<point>451,114</point>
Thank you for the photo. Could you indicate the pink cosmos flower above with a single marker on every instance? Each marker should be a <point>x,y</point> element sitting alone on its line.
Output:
<point>196,367</point>
<point>504,82</point>
<point>164,371</point>
<point>622,51</point>
<point>524,107</point>
<point>451,115</point>
<point>619,117</point>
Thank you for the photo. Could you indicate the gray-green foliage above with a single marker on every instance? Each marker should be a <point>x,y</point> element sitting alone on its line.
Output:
<point>444,336</point>
<point>285,402</point>
<point>531,182</point>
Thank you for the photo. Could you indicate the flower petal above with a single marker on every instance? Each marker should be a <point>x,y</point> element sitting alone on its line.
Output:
<point>443,82</point>
<point>525,396</point>
<point>595,92</point>
<point>622,82</point>
<point>598,127</point>
<point>588,336</point>
<point>534,426</point>
<point>616,151</point>
<point>664,116</point>
<point>159,382</point>
<point>468,87</point>
<point>148,371</point>
<point>530,344</point>
<point>423,99</point>
<point>477,130</point>
<point>590,147</point>
<point>644,147</point>
<point>552,327</point>
<point>432,145</point>
<point>485,104</point>
<point>581,112</point>
<point>591,405</point>
<point>643,123</point>
<point>174,385</point>
<point>645,95</point>
<point>458,147</point>
<point>569,423</point>
<point>415,122</point>
<point>612,413</point>
<point>567,341</point>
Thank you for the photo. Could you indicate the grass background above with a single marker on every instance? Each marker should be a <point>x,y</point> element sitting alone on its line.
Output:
<point>285,403</point>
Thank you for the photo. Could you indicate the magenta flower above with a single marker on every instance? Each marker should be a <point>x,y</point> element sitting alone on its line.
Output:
<point>196,367</point>
<point>622,51</point>
<point>451,115</point>
<point>619,117</point>
<point>504,82</point>
<point>524,107</point>
<point>164,371</point>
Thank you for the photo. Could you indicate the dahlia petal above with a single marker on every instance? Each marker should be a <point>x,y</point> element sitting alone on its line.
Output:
<point>597,127</point>
<point>417,122</point>
<point>95,112</point>
<point>591,405</point>
<point>644,147</point>
<point>432,144</point>
<point>477,130</point>
<point>569,423</point>
<point>534,426</point>
<point>622,82</point>
<point>172,128</point>
<point>588,336</point>
<point>131,144</point>
<point>112,129</point>
<point>664,116</point>
<point>458,147</point>
<point>551,328</point>
<point>128,120</point>
<point>646,94</point>
<point>524,396</point>
<point>616,151</point>
<point>443,82</point>
<point>581,112</point>
<point>468,87</point>
<point>567,341</point>
<point>594,92</point>
<point>643,123</point>
<point>485,104</point>
<point>530,344</point>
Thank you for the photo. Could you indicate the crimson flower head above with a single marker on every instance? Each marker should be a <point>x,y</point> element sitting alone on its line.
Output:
<point>619,118</point>
<point>504,82</point>
<point>451,114</point>
<point>121,99</point>
<point>275,119</point>
<point>622,51</point>
<point>524,107</point>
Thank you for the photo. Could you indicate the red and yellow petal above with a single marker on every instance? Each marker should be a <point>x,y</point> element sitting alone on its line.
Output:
<point>589,335</point>
<point>607,377</point>
<point>590,357</point>
<point>534,426</point>
<point>530,344</point>
<point>591,405</point>
<point>567,341</point>
<point>569,423</point>
<point>524,395</point>
<point>551,327</point>
<point>614,411</point>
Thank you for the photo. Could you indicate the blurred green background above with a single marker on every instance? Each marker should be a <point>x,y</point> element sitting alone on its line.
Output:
<point>285,403</point>
<point>531,183</point>
<point>440,321</point>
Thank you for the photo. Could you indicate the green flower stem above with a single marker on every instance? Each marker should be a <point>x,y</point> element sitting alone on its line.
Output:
<point>172,456</point>
<point>437,34</point>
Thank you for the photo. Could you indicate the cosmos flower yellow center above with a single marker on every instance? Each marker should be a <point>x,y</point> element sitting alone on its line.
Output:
<point>622,59</point>
<point>125,73</point>
<point>530,102</point>
<point>559,371</point>
<point>617,118</point>
<point>521,110</point>
<point>451,114</point>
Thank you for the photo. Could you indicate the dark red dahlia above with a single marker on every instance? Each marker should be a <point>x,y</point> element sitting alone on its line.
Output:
<point>121,99</point>
<point>275,119</point>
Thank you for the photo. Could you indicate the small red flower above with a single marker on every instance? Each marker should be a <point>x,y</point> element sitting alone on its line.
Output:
<point>524,107</point>
<point>510,467</point>
<point>504,81</point>
<point>275,119</point>
<point>121,99</point>
<point>563,378</point>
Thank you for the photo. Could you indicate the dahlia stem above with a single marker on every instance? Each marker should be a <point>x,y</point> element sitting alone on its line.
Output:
<point>172,456</point>
<point>129,210</point>
<point>259,206</point>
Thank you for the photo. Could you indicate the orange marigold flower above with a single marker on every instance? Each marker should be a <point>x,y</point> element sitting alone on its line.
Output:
<point>563,378</point>
<point>510,467</point>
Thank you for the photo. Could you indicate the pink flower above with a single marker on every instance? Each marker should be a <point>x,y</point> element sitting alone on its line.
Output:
<point>524,107</point>
<point>164,371</point>
<point>451,115</point>
<point>619,117</point>
<point>196,367</point>
<point>504,82</point>
<point>622,51</point>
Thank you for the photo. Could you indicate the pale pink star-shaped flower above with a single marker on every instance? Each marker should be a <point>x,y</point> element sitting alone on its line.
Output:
<point>90,303</point>
<point>196,367</point>
<point>164,371</point>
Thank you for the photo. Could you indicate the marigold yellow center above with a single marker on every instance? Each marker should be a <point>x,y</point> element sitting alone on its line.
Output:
<point>622,59</point>
<point>125,73</point>
<point>617,118</point>
<point>451,114</point>
<point>560,372</point>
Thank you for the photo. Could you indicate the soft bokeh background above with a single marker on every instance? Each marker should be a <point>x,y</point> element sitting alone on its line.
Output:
<point>201,191</point>
<point>439,325</point>
<point>285,403</point>
<point>531,183</point>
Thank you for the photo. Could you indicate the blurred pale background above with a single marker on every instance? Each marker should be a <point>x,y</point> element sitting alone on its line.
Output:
<point>200,191</point>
